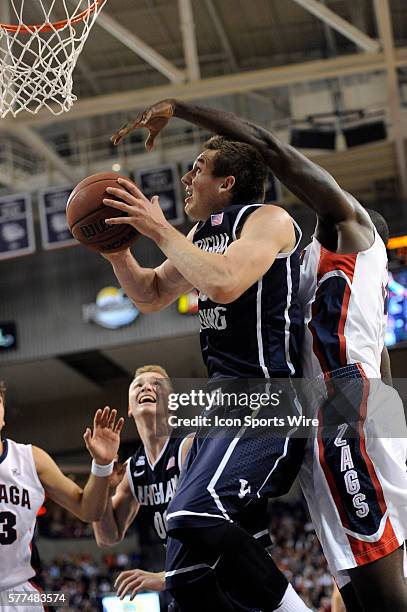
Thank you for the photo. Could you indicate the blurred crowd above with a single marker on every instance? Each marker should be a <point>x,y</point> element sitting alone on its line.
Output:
<point>85,581</point>
<point>59,523</point>
<point>298,553</point>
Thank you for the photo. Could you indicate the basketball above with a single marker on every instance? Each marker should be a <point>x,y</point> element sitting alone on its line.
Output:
<point>86,214</point>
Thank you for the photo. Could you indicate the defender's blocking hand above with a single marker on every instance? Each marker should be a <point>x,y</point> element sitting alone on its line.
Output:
<point>154,118</point>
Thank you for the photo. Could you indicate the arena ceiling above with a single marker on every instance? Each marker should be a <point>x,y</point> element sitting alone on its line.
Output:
<point>143,50</point>
<point>138,44</point>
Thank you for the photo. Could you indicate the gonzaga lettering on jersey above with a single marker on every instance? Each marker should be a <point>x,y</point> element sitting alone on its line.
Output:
<point>344,304</point>
<point>21,496</point>
<point>353,477</point>
<point>153,485</point>
<point>258,335</point>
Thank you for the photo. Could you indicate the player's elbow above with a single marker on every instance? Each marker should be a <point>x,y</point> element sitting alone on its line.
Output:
<point>149,307</point>
<point>224,294</point>
<point>91,515</point>
<point>104,540</point>
<point>146,308</point>
<point>224,287</point>
<point>107,542</point>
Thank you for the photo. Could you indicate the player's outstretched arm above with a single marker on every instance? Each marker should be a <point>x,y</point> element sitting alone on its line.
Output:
<point>223,278</point>
<point>311,183</point>
<point>135,581</point>
<point>103,443</point>
<point>121,510</point>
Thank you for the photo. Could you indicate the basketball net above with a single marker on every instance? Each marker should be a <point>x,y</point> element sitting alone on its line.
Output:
<point>37,60</point>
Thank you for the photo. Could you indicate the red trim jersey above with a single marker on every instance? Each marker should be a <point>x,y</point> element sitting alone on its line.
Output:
<point>343,298</point>
<point>21,496</point>
<point>354,470</point>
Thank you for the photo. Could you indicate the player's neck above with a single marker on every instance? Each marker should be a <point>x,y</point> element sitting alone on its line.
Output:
<point>152,443</point>
<point>1,446</point>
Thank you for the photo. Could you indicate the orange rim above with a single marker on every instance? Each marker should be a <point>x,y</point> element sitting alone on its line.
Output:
<point>48,27</point>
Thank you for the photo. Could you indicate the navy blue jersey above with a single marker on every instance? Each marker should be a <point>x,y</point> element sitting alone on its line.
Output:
<point>153,486</point>
<point>259,334</point>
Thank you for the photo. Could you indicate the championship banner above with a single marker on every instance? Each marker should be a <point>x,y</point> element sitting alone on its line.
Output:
<point>163,181</point>
<point>16,226</point>
<point>54,227</point>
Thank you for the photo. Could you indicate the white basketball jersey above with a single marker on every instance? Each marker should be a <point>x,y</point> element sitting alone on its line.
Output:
<point>21,496</point>
<point>344,304</point>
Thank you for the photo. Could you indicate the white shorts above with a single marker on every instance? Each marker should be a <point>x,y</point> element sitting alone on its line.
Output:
<point>17,594</point>
<point>354,474</point>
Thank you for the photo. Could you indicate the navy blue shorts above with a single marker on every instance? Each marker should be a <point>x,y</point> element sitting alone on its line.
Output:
<point>229,469</point>
<point>230,473</point>
<point>185,565</point>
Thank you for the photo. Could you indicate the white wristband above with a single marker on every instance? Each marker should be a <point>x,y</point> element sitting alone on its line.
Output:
<point>102,470</point>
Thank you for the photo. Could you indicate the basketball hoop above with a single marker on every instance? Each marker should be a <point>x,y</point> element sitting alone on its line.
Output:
<point>37,60</point>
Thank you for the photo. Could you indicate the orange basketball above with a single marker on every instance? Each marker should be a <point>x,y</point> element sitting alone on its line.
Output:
<point>86,214</point>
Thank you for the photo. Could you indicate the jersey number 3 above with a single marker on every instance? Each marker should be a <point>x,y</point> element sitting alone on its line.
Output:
<point>8,534</point>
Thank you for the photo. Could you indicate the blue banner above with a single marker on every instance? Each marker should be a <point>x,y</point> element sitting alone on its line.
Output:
<point>16,226</point>
<point>54,227</point>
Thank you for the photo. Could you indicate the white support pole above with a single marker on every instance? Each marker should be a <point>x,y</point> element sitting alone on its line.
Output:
<point>341,25</point>
<point>135,44</point>
<point>189,40</point>
<point>383,17</point>
<point>37,144</point>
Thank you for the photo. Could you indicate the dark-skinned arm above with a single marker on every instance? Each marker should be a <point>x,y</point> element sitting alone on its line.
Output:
<point>385,367</point>
<point>306,179</point>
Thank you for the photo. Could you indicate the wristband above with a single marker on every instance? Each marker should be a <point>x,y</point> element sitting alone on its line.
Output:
<point>102,470</point>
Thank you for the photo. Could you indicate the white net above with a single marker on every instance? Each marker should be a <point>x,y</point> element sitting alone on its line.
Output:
<point>38,53</point>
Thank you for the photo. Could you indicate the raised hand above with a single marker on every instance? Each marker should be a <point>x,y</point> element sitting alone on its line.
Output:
<point>154,118</point>
<point>135,581</point>
<point>104,441</point>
